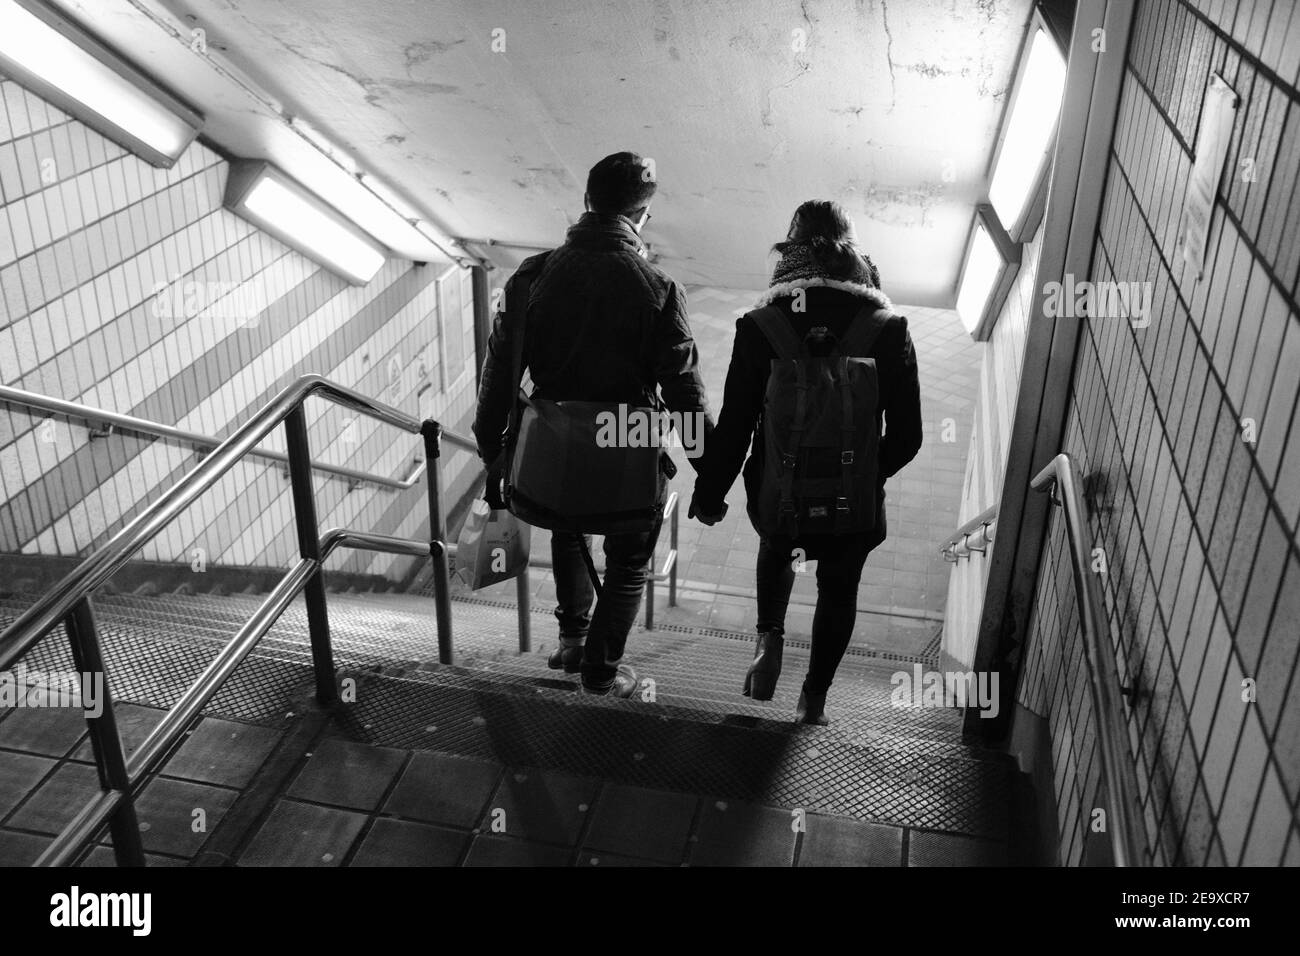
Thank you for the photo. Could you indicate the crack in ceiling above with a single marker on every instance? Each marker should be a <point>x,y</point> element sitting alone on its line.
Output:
<point>893,112</point>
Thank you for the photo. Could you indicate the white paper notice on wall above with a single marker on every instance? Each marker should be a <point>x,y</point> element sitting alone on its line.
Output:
<point>1217,114</point>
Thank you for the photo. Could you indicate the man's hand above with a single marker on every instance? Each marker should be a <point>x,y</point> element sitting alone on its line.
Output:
<point>492,493</point>
<point>706,517</point>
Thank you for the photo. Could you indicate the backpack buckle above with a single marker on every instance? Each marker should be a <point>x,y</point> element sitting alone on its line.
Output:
<point>842,505</point>
<point>846,458</point>
<point>787,506</point>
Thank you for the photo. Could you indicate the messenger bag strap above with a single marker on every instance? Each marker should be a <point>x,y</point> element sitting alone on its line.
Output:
<point>517,321</point>
<point>591,565</point>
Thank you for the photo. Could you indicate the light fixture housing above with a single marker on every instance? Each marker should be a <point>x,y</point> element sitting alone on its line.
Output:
<point>271,200</point>
<point>57,60</point>
<point>989,269</point>
<point>1018,180</point>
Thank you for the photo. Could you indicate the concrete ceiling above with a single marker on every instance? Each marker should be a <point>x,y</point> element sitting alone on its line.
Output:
<point>891,108</point>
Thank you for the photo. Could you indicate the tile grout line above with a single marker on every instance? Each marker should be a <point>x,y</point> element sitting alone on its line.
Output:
<point>374,814</point>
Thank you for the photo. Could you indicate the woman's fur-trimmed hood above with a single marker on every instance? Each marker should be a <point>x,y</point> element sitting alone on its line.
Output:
<point>856,288</point>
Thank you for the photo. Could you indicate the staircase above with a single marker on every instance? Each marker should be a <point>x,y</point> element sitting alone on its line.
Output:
<point>498,760</point>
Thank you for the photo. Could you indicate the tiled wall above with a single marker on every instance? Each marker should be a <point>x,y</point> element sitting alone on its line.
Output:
<point>1198,526</point>
<point>87,231</point>
<point>986,461</point>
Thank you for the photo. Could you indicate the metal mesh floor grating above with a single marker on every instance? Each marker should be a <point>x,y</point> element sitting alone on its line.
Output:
<point>152,665</point>
<point>694,669</point>
<point>785,765</point>
<point>877,762</point>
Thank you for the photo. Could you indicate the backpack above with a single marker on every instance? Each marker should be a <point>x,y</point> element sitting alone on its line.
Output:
<point>821,428</point>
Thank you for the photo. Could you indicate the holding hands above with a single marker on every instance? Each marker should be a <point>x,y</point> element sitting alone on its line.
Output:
<point>709,516</point>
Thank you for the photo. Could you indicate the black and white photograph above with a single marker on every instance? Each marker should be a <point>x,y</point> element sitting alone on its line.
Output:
<point>590,434</point>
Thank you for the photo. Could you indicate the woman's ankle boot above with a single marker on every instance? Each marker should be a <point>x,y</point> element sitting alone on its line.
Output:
<point>763,673</point>
<point>811,709</point>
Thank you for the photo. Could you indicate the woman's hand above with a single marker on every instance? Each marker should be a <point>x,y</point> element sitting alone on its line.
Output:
<point>709,517</point>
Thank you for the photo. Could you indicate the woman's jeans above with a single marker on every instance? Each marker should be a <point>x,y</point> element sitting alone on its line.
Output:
<point>603,631</point>
<point>839,569</point>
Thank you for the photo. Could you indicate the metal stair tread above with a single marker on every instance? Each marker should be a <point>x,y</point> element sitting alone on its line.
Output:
<point>807,766</point>
<point>566,693</point>
<point>688,681</point>
<point>900,775</point>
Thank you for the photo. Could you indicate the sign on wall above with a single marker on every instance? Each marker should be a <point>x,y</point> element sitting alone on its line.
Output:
<point>451,314</point>
<point>1217,113</point>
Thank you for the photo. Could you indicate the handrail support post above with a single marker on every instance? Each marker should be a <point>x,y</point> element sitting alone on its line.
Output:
<point>523,603</point>
<point>431,432</point>
<point>304,509</point>
<point>650,597</point>
<point>672,541</point>
<point>105,740</point>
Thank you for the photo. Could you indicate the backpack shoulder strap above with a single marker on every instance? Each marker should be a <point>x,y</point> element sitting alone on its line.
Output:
<point>776,328</point>
<point>860,337</point>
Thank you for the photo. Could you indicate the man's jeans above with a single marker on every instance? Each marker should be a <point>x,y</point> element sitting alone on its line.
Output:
<point>604,630</point>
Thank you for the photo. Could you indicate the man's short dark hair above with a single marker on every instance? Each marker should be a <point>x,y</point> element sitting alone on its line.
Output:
<point>620,183</point>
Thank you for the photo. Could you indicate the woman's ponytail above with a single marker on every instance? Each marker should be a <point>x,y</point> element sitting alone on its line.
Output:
<point>838,257</point>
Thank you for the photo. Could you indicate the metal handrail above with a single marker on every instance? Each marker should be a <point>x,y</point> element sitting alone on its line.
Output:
<point>1119,775</point>
<point>979,528</point>
<point>69,602</point>
<point>169,731</point>
<point>152,429</point>
<point>96,569</point>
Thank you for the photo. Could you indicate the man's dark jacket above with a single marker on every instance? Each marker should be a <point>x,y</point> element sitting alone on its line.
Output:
<point>899,400</point>
<point>603,324</point>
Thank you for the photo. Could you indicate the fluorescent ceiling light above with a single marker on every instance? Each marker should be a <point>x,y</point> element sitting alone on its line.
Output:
<point>978,278</point>
<point>986,274</point>
<point>62,63</point>
<point>1030,122</point>
<point>271,200</point>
